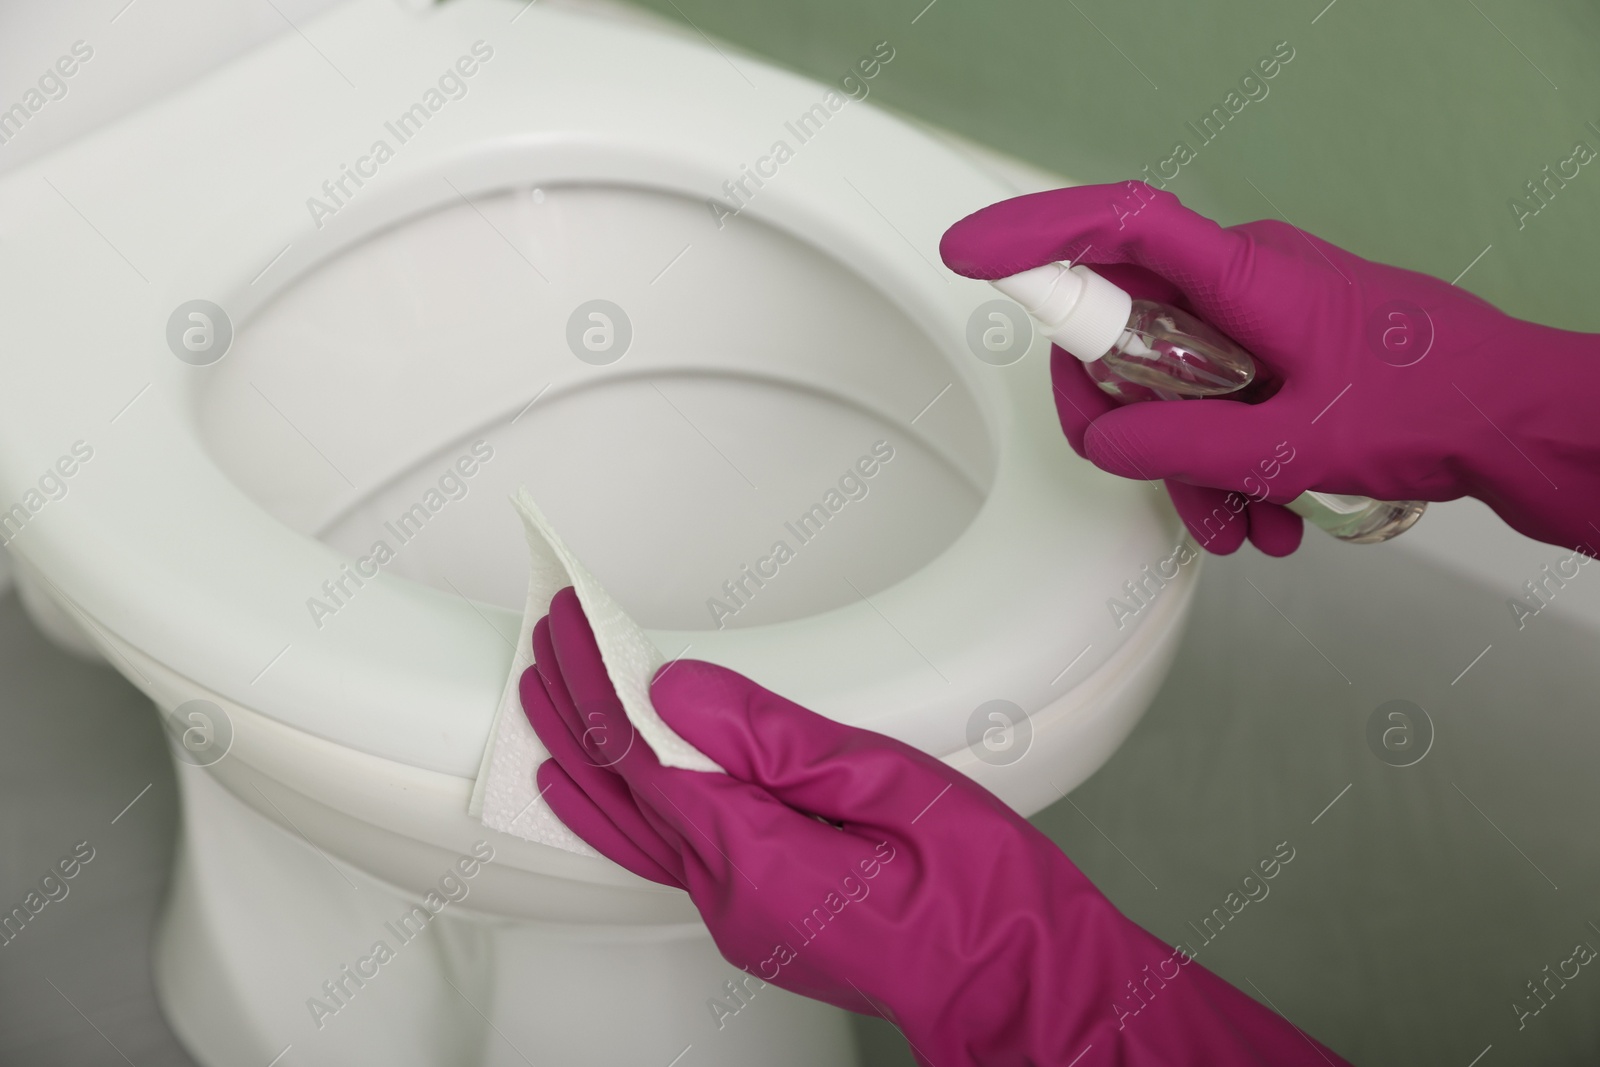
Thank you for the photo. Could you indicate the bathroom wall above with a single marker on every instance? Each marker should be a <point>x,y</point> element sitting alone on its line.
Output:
<point>1400,131</point>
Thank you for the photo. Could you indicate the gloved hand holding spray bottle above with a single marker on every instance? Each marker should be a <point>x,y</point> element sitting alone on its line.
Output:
<point>1137,350</point>
<point>1377,380</point>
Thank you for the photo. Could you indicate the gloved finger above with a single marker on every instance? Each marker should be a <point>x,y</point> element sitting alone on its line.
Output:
<point>607,792</point>
<point>1217,523</point>
<point>1142,284</point>
<point>600,724</point>
<point>578,812</point>
<point>1078,400</point>
<point>1124,222</point>
<point>725,823</point>
<point>605,737</point>
<point>806,760</point>
<point>1275,529</point>
<point>1222,443</point>
<point>592,709</point>
<point>548,667</point>
<point>711,820</point>
<point>548,671</point>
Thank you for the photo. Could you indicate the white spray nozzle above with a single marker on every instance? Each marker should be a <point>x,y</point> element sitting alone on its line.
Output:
<point>1077,309</point>
<point>1047,293</point>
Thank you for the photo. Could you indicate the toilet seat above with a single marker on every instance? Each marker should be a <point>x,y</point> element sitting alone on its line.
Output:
<point>202,196</point>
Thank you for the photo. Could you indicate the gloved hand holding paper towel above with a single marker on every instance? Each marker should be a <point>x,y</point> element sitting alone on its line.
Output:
<point>505,795</point>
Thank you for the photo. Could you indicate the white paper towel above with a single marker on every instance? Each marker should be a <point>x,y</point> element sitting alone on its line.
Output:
<point>505,795</point>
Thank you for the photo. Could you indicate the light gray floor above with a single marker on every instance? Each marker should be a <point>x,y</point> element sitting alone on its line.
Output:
<point>1417,906</point>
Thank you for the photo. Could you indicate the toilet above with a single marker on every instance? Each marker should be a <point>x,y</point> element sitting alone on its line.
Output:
<point>246,346</point>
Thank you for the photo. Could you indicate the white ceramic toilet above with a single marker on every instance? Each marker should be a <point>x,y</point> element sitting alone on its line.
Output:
<point>560,273</point>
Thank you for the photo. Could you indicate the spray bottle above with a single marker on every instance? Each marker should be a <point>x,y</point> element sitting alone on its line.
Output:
<point>1143,350</point>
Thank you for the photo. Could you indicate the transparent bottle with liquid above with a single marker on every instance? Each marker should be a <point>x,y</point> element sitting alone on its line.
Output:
<point>1138,350</point>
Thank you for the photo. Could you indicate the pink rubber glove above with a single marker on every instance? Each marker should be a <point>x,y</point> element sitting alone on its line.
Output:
<point>1394,384</point>
<point>848,867</point>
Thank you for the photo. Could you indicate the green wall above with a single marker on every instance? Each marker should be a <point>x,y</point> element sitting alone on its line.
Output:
<point>1400,131</point>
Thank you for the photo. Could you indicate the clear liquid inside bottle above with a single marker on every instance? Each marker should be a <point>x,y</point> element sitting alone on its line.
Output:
<point>1168,349</point>
<point>1168,354</point>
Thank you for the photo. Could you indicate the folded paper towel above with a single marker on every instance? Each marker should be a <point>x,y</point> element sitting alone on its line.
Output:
<point>505,795</point>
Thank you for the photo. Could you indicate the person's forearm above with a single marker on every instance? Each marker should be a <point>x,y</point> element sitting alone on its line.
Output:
<point>1538,398</point>
<point>1079,982</point>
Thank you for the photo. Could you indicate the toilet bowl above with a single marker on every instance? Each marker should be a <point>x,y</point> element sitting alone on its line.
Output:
<point>249,347</point>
